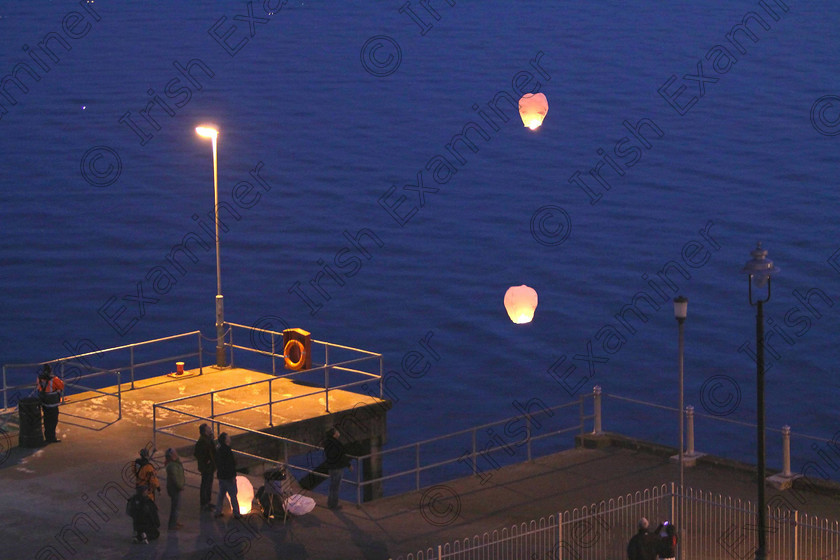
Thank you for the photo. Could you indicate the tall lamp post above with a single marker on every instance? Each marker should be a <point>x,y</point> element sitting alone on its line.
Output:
<point>759,269</point>
<point>680,313</point>
<point>221,360</point>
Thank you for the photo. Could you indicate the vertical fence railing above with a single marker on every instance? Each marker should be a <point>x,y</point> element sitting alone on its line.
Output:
<point>718,528</point>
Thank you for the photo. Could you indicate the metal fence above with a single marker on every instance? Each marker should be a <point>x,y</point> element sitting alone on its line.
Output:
<point>716,528</point>
<point>479,450</point>
<point>335,368</point>
<point>102,374</point>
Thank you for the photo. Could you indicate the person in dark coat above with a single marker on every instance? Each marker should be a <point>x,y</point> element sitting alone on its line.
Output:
<point>226,471</point>
<point>335,460</point>
<point>50,393</point>
<point>205,458</point>
<point>643,544</point>
<point>666,548</point>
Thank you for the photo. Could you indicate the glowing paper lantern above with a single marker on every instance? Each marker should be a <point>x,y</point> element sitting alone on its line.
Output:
<point>244,494</point>
<point>520,302</point>
<point>533,108</point>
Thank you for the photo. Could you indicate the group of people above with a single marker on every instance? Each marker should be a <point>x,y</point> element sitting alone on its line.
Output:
<point>211,459</point>
<point>646,545</point>
<point>143,505</point>
<point>218,460</point>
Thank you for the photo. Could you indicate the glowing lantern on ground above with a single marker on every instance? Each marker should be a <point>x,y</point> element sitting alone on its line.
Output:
<point>520,302</point>
<point>533,108</point>
<point>244,494</point>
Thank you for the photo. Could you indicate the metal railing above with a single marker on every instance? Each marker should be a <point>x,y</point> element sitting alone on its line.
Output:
<point>717,528</point>
<point>808,451</point>
<point>325,364</point>
<point>430,454</point>
<point>112,364</point>
<point>330,362</point>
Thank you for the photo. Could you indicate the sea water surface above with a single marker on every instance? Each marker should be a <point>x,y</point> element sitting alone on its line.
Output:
<point>343,108</point>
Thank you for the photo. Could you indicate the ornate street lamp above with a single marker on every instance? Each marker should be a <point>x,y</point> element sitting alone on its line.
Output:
<point>221,361</point>
<point>759,270</point>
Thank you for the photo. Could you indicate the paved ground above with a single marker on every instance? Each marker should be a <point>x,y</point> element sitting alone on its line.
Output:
<point>67,501</point>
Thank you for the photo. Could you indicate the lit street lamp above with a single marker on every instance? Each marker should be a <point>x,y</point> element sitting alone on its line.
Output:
<point>212,133</point>
<point>680,313</point>
<point>759,270</point>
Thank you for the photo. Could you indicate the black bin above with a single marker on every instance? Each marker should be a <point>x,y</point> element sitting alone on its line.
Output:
<point>31,430</point>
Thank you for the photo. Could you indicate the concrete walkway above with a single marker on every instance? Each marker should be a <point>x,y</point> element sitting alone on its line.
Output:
<point>67,501</point>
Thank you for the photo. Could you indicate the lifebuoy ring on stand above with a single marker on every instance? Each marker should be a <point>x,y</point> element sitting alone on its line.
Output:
<point>301,352</point>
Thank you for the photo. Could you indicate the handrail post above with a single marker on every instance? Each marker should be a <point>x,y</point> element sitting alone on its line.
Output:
<point>270,403</point>
<point>273,358</point>
<point>327,387</point>
<point>200,352</point>
<point>596,392</point>
<point>786,451</point>
<point>358,484</point>
<point>154,426</point>
<point>381,376</point>
<point>230,331</point>
<point>119,395</point>
<point>528,427</point>
<point>212,411</point>
<point>796,527</point>
<point>131,353</point>
<point>689,418</point>
<point>474,458</point>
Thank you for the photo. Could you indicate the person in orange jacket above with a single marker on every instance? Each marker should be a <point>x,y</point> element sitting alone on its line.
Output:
<point>145,475</point>
<point>50,392</point>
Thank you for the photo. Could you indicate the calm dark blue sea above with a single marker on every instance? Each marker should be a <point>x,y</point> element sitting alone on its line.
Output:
<point>679,134</point>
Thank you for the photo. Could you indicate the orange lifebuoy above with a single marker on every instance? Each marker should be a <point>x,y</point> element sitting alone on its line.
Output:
<point>301,350</point>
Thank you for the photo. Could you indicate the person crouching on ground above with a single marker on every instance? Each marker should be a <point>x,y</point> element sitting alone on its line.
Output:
<point>175,483</point>
<point>226,471</point>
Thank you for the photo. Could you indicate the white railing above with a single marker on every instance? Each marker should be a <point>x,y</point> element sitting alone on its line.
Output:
<point>717,528</point>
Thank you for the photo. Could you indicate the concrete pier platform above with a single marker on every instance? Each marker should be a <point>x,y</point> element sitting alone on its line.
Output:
<point>67,500</point>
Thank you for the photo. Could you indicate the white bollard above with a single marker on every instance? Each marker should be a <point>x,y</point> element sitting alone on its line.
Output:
<point>786,451</point>
<point>597,430</point>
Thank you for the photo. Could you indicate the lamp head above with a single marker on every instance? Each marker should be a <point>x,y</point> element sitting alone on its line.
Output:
<point>760,268</point>
<point>207,131</point>
<point>680,308</point>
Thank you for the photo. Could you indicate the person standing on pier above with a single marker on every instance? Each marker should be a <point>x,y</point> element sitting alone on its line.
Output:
<point>226,470</point>
<point>335,462</point>
<point>175,483</point>
<point>667,546</point>
<point>145,477</point>
<point>643,544</point>
<point>50,392</point>
<point>205,457</point>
